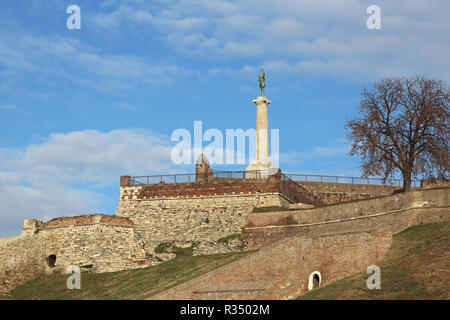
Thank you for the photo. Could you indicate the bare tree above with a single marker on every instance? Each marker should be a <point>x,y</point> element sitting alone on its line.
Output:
<point>403,124</point>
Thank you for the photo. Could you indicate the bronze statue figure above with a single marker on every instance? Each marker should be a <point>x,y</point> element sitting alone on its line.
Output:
<point>262,81</point>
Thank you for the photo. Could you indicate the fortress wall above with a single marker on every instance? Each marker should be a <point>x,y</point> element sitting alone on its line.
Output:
<point>198,212</point>
<point>282,270</point>
<point>392,213</point>
<point>98,242</point>
<point>430,184</point>
<point>191,219</point>
<point>331,193</point>
<point>21,259</point>
<point>213,187</point>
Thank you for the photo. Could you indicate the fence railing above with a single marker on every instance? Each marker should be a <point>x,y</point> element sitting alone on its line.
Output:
<point>163,178</point>
<point>296,193</point>
<point>193,177</point>
<point>351,180</point>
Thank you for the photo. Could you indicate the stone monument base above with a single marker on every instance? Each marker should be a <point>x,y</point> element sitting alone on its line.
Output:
<point>260,170</point>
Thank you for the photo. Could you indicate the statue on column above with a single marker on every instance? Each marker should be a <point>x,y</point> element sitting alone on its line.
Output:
<point>262,81</point>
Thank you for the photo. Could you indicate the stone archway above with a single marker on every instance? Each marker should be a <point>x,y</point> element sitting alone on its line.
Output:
<point>315,279</point>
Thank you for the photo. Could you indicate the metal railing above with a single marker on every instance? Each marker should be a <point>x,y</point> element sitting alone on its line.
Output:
<point>193,177</point>
<point>296,193</point>
<point>163,178</point>
<point>251,174</point>
<point>350,180</point>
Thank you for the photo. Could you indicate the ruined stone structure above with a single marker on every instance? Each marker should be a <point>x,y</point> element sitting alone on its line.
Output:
<point>96,242</point>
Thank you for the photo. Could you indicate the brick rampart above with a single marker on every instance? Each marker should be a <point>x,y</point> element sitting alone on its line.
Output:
<point>331,193</point>
<point>197,189</point>
<point>393,213</point>
<point>282,270</point>
<point>335,241</point>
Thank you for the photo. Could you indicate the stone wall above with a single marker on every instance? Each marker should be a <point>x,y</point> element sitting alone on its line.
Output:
<point>21,259</point>
<point>101,243</point>
<point>282,270</point>
<point>190,220</point>
<point>213,187</point>
<point>202,212</point>
<point>429,184</point>
<point>392,213</point>
<point>331,193</point>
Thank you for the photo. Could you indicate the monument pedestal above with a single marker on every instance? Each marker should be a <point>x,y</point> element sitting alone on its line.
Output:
<point>260,170</point>
<point>261,167</point>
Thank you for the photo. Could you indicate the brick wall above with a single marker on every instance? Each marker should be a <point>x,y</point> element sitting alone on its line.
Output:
<point>331,193</point>
<point>393,213</point>
<point>282,270</point>
<point>217,186</point>
<point>428,184</point>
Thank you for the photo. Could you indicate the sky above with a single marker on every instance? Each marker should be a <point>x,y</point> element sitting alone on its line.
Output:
<point>81,107</point>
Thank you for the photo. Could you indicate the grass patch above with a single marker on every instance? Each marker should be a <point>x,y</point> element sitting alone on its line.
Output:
<point>189,251</point>
<point>129,284</point>
<point>417,266</point>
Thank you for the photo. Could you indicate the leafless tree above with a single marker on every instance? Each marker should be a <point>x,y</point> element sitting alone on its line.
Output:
<point>403,124</point>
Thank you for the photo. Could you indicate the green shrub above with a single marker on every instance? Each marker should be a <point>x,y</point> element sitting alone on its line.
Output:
<point>229,237</point>
<point>163,247</point>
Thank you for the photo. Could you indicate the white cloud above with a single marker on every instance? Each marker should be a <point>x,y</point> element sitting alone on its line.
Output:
<point>23,54</point>
<point>302,36</point>
<point>65,173</point>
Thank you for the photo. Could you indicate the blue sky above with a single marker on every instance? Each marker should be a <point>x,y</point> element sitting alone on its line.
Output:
<point>79,108</point>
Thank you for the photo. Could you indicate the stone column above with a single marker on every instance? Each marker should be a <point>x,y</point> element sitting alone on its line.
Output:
<point>262,162</point>
<point>262,129</point>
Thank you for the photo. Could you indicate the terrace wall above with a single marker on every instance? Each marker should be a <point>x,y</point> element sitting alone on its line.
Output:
<point>391,213</point>
<point>282,270</point>
<point>330,192</point>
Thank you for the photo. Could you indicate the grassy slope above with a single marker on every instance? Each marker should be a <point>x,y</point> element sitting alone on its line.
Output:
<point>130,284</point>
<point>417,266</point>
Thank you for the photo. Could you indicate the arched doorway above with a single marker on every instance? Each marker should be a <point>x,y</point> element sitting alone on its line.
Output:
<point>315,278</point>
<point>51,260</point>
